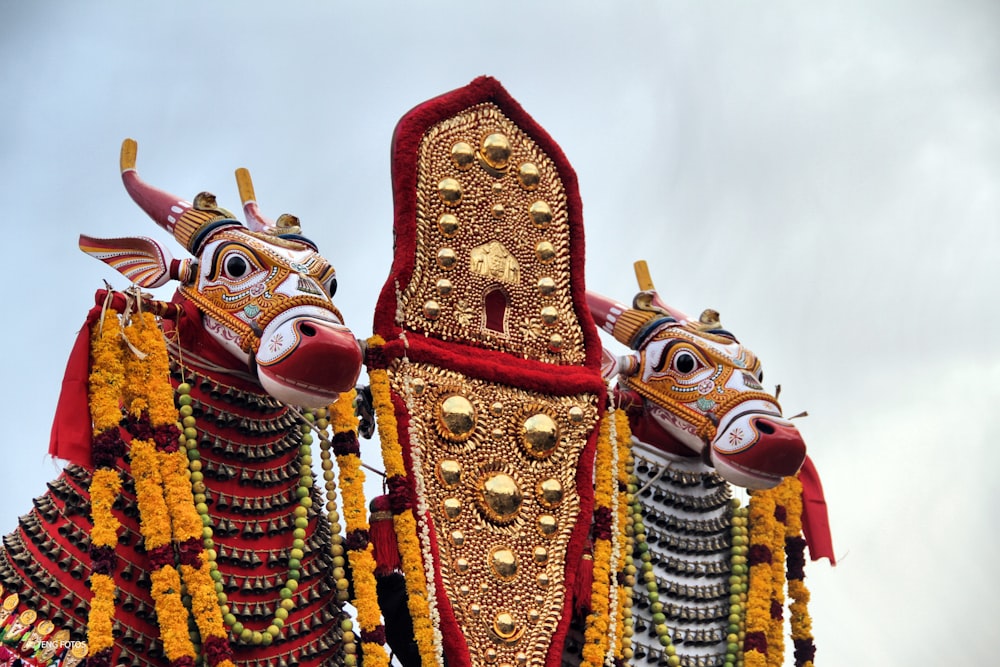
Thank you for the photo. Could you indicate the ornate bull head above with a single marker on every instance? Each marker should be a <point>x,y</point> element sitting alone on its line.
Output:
<point>701,387</point>
<point>263,289</point>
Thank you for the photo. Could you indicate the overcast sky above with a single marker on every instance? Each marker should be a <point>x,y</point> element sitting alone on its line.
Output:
<point>827,176</point>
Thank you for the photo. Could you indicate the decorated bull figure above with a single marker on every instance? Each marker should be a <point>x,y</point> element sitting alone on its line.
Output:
<point>186,526</point>
<point>689,386</point>
<point>700,420</point>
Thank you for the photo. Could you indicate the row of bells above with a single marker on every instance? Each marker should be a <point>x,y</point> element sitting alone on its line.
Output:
<point>222,417</point>
<point>684,525</point>
<point>258,452</point>
<point>262,402</point>
<point>688,544</point>
<point>692,503</point>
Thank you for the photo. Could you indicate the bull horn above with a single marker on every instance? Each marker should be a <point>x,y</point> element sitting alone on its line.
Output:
<point>189,225</point>
<point>255,219</point>
<point>648,298</point>
<point>630,326</point>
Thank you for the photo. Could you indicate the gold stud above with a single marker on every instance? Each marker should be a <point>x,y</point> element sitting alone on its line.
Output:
<point>418,386</point>
<point>461,565</point>
<point>446,258</point>
<point>501,497</point>
<point>550,316</point>
<point>497,211</point>
<point>449,473</point>
<point>543,580</point>
<point>463,155</point>
<point>547,525</point>
<point>452,508</point>
<point>474,610</point>
<point>545,252</point>
<point>450,191</point>
<point>504,625</point>
<point>550,492</point>
<point>457,538</point>
<point>448,225</point>
<point>432,310</point>
<point>444,286</point>
<point>495,151</point>
<point>546,286</point>
<point>576,414</point>
<point>457,417</point>
<point>503,562</point>
<point>497,408</point>
<point>528,176</point>
<point>540,435</point>
<point>555,343</point>
<point>491,655</point>
<point>541,213</point>
<point>541,555</point>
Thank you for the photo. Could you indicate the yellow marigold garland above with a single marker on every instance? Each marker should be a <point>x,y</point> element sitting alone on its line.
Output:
<point>800,621</point>
<point>404,522</point>
<point>596,636</point>
<point>623,647</point>
<point>166,504</point>
<point>352,479</point>
<point>106,383</point>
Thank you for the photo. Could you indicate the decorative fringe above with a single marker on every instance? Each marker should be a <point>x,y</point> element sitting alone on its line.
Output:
<point>383,537</point>
<point>584,586</point>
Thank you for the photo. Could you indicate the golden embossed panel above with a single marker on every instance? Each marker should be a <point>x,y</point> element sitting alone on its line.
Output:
<point>491,213</point>
<point>503,499</point>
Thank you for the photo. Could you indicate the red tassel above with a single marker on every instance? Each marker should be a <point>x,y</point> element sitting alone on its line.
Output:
<point>583,587</point>
<point>383,537</point>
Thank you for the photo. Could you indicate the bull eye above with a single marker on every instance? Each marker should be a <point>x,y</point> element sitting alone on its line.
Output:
<point>236,267</point>
<point>760,375</point>
<point>331,286</point>
<point>684,363</point>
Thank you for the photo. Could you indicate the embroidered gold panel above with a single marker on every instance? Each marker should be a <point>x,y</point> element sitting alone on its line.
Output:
<point>496,467</point>
<point>491,227</point>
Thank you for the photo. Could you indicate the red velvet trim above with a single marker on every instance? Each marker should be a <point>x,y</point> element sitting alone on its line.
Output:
<point>815,520</point>
<point>577,542</point>
<point>498,367</point>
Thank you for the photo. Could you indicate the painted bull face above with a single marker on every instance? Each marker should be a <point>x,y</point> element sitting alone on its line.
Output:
<point>264,291</point>
<point>703,388</point>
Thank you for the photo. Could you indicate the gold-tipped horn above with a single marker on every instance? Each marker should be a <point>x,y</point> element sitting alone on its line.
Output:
<point>126,159</point>
<point>642,276</point>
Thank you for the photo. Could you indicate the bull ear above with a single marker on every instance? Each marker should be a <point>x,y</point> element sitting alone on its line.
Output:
<point>611,365</point>
<point>140,259</point>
